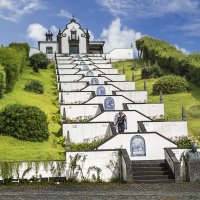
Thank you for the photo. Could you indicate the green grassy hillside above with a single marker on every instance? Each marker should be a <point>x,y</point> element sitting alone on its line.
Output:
<point>13,149</point>
<point>173,102</point>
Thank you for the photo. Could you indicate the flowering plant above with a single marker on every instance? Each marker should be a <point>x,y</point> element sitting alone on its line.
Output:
<point>183,141</point>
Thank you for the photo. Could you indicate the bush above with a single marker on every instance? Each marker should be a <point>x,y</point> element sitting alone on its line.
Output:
<point>1,85</point>
<point>24,122</point>
<point>87,144</point>
<point>170,85</point>
<point>195,111</point>
<point>34,86</point>
<point>183,141</point>
<point>151,72</point>
<point>39,61</point>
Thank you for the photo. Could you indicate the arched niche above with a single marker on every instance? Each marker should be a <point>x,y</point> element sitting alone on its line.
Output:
<point>137,146</point>
<point>109,103</point>
<point>85,68</point>
<point>89,73</point>
<point>94,81</point>
<point>101,91</point>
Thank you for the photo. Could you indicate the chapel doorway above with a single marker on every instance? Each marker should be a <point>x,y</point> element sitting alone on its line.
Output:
<point>73,49</point>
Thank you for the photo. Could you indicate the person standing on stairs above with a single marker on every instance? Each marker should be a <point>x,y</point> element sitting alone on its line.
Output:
<point>121,122</point>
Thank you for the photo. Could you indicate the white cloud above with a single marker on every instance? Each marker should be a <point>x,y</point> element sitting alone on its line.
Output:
<point>183,50</point>
<point>116,36</point>
<point>13,10</point>
<point>36,32</point>
<point>64,13</point>
<point>146,8</point>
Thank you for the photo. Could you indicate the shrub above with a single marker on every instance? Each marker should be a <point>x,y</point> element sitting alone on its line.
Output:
<point>34,86</point>
<point>195,111</point>
<point>39,61</point>
<point>151,72</point>
<point>87,144</point>
<point>51,66</point>
<point>170,85</point>
<point>1,85</point>
<point>183,141</point>
<point>24,122</point>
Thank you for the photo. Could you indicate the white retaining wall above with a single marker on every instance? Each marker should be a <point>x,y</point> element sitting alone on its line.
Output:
<point>168,128</point>
<point>135,96</point>
<point>120,54</point>
<point>95,72</point>
<point>67,71</point>
<point>69,78</point>
<point>68,66</point>
<point>108,88</point>
<point>103,65</point>
<point>80,132</point>
<point>153,111</point>
<point>80,111</point>
<point>90,67</point>
<point>37,169</point>
<point>132,118</point>
<point>109,71</point>
<point>115,77</point>
<point>75,97</point>
<point>153,152</point>
<point>96,159</point>
<point>100,79</point>
<point>123,85</point>
<point>73,86</point>
<point>119,100</point>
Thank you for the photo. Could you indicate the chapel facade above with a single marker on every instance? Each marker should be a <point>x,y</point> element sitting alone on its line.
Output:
<point>72,40</point>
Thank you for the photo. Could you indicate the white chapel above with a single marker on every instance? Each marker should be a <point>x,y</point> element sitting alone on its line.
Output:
<point>72,40</point>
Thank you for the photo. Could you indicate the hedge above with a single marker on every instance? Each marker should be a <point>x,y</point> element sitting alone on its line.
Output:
<point>170,85</point>
<point>168,57</point>
<point>23,49</point>
<point>34,86</point>
<point>13,59</point>
<point>24,122</point>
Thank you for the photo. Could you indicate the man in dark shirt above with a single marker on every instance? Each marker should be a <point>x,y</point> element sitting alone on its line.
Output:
<point>121,122</point>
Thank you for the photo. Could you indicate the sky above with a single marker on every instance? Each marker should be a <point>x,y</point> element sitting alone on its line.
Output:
<point>118,22</point>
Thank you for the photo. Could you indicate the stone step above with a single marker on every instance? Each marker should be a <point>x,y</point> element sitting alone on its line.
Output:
<point>148,161</point>
<point>154,181</point>
<point>148,164</point>
<point>141,173</point>
<point>149,168</point>
<point>152,177</point>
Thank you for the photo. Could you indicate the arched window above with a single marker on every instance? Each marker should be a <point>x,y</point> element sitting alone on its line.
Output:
<point>137,146</point>
<point>109,103</point>
<point>101,90</point>
<point>94,81</point>
<point>82,63</point>
<point>89,73</point>
<point>85,68</point>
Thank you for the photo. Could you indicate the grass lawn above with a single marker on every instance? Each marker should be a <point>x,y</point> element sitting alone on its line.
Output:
<point>12,149</point>
<point>173,102</point>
